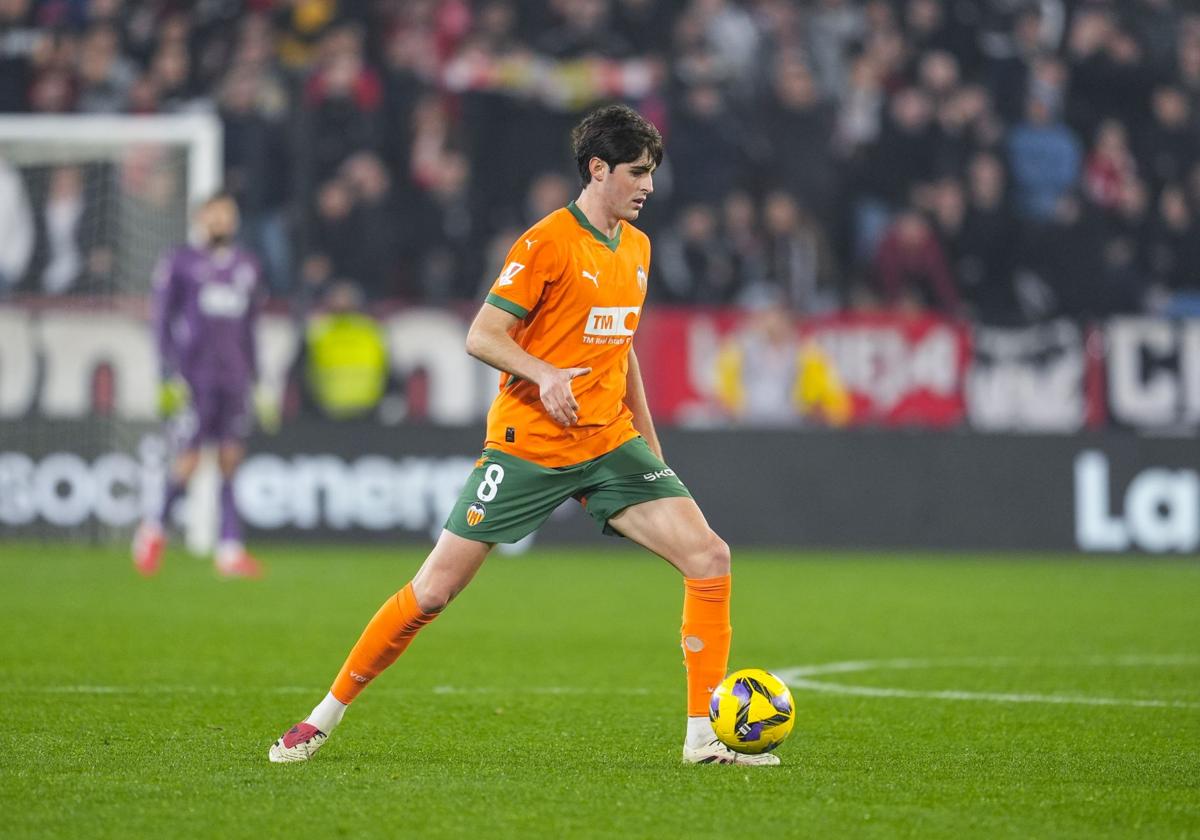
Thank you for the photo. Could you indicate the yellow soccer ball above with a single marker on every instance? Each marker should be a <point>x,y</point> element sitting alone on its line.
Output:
<point>752,711</point>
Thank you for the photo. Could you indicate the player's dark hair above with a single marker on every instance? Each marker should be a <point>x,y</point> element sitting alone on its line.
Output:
<point>616,134</point>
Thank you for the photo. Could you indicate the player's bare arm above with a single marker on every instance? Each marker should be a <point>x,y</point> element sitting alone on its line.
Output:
<point>635,398</point>
<point>490,340</point>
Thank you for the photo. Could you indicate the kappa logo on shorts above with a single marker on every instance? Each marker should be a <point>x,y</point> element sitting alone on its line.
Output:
<point>657,474</point>
<point>475,514</point>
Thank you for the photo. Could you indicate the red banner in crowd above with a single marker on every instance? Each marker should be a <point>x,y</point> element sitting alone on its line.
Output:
<point>898,370</point>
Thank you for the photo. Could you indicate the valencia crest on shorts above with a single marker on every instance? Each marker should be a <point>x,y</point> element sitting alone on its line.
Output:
<point>475,514</point>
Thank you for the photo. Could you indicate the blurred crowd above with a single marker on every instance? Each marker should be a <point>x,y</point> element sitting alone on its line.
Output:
<point>1003,160</point>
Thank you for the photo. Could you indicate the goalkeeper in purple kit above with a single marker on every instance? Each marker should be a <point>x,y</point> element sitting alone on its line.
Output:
<point>206,298</point>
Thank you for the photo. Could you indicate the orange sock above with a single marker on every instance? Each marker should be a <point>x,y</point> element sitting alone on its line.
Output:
<point>706,637</point>
<point>384,639</point>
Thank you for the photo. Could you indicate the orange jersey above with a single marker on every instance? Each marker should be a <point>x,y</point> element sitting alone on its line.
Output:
<point>579,295</point>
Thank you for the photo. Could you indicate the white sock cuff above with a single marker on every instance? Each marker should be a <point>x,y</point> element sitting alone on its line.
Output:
<point>327,714</point>
<point>699,731</point>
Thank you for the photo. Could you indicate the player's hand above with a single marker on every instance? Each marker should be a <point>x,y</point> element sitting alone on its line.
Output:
<point>174,395</point>
<point>266,409</point>
<point>554,389</point>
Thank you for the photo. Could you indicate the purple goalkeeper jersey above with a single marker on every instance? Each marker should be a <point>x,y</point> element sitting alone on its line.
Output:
<point>205,308</point>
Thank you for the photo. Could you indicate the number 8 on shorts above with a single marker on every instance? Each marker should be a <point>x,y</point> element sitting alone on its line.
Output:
<point>490,486</point>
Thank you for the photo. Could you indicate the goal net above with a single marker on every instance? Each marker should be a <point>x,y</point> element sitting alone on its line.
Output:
<point>87,206</point>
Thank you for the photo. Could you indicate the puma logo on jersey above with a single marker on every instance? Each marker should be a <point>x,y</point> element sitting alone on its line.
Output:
<point>610,324</point>
<point>510,271</point>
<point>589,276</point>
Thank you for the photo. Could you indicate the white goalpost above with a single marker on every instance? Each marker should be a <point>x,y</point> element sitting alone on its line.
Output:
<point>97,199</point>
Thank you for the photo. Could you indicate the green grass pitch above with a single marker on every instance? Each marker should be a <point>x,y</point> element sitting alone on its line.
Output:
<point>548,700</point>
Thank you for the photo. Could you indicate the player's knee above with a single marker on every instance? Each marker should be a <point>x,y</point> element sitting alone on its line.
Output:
<point>228,460</point>
<point>434,594</point>
<point>712,559</point>
<point>185,466</point>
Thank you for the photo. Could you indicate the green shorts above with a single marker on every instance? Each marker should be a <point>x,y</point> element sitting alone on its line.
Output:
<point>507,498</point>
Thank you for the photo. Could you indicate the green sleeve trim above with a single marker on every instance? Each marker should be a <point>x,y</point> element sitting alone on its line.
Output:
<point>507,305</point>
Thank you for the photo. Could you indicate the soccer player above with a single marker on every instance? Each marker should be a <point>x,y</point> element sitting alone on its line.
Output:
<point>206,302</point>
<point>570,421</point>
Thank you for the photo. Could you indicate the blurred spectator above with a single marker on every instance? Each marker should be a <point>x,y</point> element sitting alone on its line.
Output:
<point>376,222</point>
<point>1109,167</point>
<point>800,127</point>
<point>694,262</point>
<point>937,74</point>
<point>1044,158</point>
<point>833,27</point>
<point>19,40</point>
<point>344,357</point>
<point>861,112</point>
<point>1068,264</point>
<point>927,28</point>
<point>902,157</point>
<point>344,97</point>
<point>585,29</point>
<point>1188,67</point>
<point>1168,144</point>
<point>302,24</point>
<point>444,233</point>
<point>798,264</point>
<point>105,76</point>
<point>394,139</point>
<point>983,252</point>
<point>766,375</point>
<point>332,240</point>
<point>704,146</point>
<point>1154,23</point>
<point>357,231</point>
<point>409,61</point>
<point>758,370</point>
<point>1129,226</point>
<point>905,151</point>
<point>645,24</point>
<point>171,76</point>
<point>16,220</point>
<point>1174,250</point>
<point>1009,65</point>
<point>965,124</point>
<point>1108,75</point>
<point>911,267</point>
<point>743,235</point>
<point>733,38</point>
<point>258,170</point>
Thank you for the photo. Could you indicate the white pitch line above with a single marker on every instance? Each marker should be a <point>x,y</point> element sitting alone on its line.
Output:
<point>798,678</point>
<point>151,689</point>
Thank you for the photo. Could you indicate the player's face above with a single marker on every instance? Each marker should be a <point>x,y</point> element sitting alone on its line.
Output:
<point>219,221</point>
<point>628,186</point>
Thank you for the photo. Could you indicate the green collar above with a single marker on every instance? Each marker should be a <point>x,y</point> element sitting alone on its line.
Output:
<point>610,244</point>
